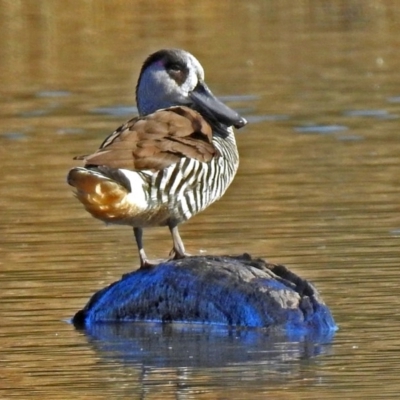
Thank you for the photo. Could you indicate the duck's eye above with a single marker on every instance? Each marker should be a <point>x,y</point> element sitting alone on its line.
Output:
<point>177,72</point>
<point>174,67</point>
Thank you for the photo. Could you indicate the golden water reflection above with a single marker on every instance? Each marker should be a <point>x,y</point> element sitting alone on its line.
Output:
<point>317,188</point>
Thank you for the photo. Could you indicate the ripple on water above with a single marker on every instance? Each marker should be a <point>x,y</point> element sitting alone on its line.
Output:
<point>350,138</point>
<point>70,131</point>
<point>320,129</point>
<point>116,111</point>
<point>254,119</point>
<point>35,113</point>
<point>394,99</point>
<point>53,93</point>
<point>239,98</point>
<point>14,135</point>
<point>381,114</point>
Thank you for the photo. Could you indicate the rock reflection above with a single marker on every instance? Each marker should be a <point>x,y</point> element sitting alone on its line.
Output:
<point>202,346</point>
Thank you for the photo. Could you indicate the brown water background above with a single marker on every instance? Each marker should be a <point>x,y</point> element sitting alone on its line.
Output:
<point>318,187</point>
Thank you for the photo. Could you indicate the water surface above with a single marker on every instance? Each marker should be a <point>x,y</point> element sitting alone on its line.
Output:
<point>317,190</point>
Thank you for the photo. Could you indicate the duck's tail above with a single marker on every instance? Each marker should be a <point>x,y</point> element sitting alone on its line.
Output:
<point>106,193</point>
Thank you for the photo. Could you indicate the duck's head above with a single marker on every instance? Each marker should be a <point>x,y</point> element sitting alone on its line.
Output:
<point>174,77</point>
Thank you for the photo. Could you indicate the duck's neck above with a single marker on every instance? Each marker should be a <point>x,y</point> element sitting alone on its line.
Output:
<point>148,103</point>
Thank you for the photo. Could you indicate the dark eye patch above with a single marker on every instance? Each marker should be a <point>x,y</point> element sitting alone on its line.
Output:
<point>177,71</point>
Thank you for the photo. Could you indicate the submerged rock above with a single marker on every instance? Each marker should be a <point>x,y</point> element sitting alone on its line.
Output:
<point>234,291</point>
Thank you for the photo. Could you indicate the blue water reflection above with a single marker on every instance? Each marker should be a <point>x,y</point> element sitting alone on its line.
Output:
<point>191,345</point>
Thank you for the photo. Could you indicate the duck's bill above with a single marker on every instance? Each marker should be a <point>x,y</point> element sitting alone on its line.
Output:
<point>214,109</point>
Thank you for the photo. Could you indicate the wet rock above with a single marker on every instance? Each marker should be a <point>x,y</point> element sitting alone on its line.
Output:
<point>235,291</point>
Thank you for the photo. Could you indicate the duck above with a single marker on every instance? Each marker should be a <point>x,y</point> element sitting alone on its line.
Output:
<point>173,160</point>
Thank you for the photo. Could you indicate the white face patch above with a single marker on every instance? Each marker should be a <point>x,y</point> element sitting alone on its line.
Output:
<point>196,66</point>
<point>196,73</point>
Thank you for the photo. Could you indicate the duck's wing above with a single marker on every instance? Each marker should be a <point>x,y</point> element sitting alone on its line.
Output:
<point>155,141</point>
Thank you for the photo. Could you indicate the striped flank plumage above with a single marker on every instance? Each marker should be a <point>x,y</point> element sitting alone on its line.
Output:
<point>168,164</point>
<point>190,186</point>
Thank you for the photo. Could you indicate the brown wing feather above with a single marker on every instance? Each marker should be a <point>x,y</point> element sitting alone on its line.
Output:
<point>156,141</point>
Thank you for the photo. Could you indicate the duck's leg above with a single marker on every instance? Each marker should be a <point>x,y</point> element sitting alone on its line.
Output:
<point>178,251</point>
<point>144,261</point>
<point>138,233</point>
